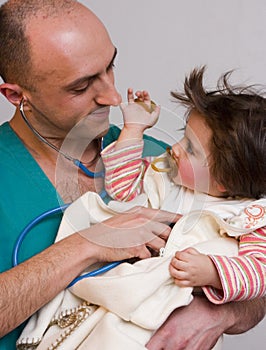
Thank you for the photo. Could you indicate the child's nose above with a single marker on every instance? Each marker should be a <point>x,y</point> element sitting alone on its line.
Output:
<point>176,150</point>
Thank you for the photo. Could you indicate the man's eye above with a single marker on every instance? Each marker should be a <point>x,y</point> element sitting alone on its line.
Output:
<point>81,90</point>
<point>111,66</point>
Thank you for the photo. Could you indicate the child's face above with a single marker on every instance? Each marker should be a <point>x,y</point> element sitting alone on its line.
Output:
<point>192,156</point>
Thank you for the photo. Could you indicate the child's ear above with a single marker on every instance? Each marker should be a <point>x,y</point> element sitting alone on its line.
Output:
<point>12,92</point>
<point>220,188</point>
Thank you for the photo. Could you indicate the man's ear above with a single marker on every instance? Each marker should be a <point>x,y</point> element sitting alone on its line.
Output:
<point>12,92</point>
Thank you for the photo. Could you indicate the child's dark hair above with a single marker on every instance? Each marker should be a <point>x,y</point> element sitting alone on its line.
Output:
<point>237,118</point>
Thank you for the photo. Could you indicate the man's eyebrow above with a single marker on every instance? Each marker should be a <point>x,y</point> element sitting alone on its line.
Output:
<point>87,78</point>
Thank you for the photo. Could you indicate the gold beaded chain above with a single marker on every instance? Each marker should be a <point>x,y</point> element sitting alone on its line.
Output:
<point>71,318</point>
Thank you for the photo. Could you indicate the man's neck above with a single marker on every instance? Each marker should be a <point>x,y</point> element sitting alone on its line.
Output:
<point>62,173</point>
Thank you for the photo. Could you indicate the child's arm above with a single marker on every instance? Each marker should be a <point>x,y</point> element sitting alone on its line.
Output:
<point>242,277</point>
<point>124,165</point>
<point>190,268</point>
<point>223,278</point>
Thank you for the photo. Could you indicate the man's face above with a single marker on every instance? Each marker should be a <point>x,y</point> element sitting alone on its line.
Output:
<point>73,60</point>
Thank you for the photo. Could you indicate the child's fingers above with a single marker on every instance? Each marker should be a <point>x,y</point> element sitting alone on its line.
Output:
<point>178,264</point>
<point>181,278</point>
<point>130,95</point>
<point>146,96</point>
<point>183,283</point>
<point>191,251</point>
<point>139,95</point>
<point>143,96</point>
<point>175,273</point>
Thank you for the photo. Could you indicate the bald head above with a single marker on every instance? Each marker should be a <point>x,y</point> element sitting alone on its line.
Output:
<point>28,26</point>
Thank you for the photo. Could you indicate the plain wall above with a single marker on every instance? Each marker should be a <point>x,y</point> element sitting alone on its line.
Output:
<point>159,42</point>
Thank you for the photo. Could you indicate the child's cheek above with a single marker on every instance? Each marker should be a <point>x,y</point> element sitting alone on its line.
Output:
<point>185,175</point>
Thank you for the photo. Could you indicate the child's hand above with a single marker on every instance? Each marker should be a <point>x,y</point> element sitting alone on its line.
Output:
<point>140,113</point>
<point>189,268</point>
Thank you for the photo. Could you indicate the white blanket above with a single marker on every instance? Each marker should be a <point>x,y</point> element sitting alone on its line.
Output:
<point>122,308</point>
<point>134,300</point>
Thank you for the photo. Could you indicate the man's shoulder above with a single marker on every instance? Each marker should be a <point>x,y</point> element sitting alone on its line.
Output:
<point>4,130</point>
<point>111,136</point>
<point>153,147</point>
<point>7,136</point>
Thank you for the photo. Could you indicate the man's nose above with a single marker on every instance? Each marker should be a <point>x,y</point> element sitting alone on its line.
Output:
<point>107,95</point>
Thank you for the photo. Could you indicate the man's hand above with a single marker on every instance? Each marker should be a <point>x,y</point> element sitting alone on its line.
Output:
<point>199,325</point>
<point>134,233</point>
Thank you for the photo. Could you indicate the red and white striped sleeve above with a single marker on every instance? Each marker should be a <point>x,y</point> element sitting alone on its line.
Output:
<point>124,170</point>
<point>242,277</point>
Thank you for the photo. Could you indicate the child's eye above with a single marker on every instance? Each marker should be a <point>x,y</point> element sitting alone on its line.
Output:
<point>189,148</point>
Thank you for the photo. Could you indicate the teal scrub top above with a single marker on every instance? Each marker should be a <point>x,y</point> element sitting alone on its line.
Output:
<point>26,192</point>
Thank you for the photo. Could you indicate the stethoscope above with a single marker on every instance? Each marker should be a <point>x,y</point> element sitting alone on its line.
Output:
<point>75,161</point>
<point>59,209</point>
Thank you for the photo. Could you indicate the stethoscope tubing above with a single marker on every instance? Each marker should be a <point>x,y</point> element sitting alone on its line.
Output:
<point>28,228</point>
<point>89,173</point>
<point>75,161</point>
<point>37,220</point>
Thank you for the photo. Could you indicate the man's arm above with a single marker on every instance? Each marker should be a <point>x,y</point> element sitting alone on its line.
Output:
<point>30,285</point>
<point>246,315</point>
<point>27,287</point>
<point>199,325</point>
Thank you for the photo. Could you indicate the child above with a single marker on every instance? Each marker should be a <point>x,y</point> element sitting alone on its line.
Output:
<point>220,166</point>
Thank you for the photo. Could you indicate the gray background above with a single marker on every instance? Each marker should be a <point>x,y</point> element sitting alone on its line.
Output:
<point>159,42</point>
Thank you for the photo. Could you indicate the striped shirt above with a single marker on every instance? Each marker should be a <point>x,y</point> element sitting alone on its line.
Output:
<point>242,277</point>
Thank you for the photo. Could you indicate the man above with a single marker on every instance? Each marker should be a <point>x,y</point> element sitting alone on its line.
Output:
<point>57,66</point>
